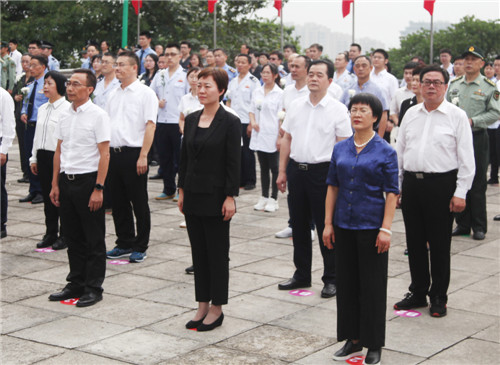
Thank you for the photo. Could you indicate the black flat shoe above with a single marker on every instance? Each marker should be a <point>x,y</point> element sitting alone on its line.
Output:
<point>190,270</point>
<point>24,180</point>
<point>194,324</point>
<point>38,199</point>
<point>65,294</point>
<point>373,357</point>
<point>88,299</point>
<point>59,244</point>
<point>478,236</point>
<point>208,327</point>
<point>293,284</point>
<point>460,231</point>
<point>348,350</point>
<point>329,291</point>
<point>46,241</point>
<point>27,198</point>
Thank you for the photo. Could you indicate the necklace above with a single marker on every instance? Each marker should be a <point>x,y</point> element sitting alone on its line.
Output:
<point>363,144</point>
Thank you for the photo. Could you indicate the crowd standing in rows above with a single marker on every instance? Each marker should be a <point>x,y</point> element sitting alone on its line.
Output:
<point>202,121</point>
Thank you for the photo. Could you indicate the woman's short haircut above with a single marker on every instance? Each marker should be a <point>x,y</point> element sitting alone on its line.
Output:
<point>220,77</point>
<point>191,70</point>
<point>59,79</point>
<point>372,101</point>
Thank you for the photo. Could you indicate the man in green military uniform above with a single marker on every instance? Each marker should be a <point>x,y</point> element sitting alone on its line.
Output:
<point>479,98</point>
<point>8,67</point>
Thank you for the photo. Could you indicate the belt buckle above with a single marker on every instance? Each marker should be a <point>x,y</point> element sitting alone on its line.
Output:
<point>70,177</point>
<point>303,166</point>
<point>117,149</point>
<point>419,175</point>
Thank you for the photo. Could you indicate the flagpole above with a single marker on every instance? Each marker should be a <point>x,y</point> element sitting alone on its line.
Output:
<point>138,24</point>
<point>353,7</point>
<point>215,25</point>
<point>281,12</point>
<point>431,56</point>
<point>125,24</point>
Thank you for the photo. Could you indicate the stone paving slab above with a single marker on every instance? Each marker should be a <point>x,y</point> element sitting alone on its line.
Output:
<point>16,317</point>
<point>76,357</point>
<point>469,351</point>
<point>16,351</point>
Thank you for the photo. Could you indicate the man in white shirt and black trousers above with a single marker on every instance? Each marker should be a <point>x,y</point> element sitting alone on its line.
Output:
<point>132,108</point>
<point>436,169</point>
<point>80,166</point>
<point>312,125</point>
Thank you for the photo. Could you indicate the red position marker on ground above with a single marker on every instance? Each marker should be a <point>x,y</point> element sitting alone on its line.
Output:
<point>118,262</point>
<point>355,360</point>
<point>300,293</point>
<point>71,301</point>
<point>408,314</point>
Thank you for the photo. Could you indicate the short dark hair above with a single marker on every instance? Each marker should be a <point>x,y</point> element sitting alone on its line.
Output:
<point>96,56</point>
<point>37,42</point>
<point>307,60</point>
<point>445,50</point>
<point>146,33</point>
<point>186,43</point>
<point>417,70</point>
<point>220,77</point>
<point>219,49</point>
<point>364,56</point>
<point>59,79</point>
<point>246,45</point>
<point>382,52</point>
<point>173,45</point>
<point>346,55</point>
<point>372,101</point>
<point>274,71</point>
<point>91,79</point>
<point>13,40</point>
<point>459,57</point>
<point>356,45</point>
<point>131,55</point>
<point>41,59</point>
<point>489,63</point>
<point>497,57</point>
<point>317,45</point>
<point>410,66</point>
<point>435,68</point>
<point>191,70</point>
<point>245,56</point>
<point>277,53</point>
<point>329,66</point>
<point>291,46</point>
<point>264,54</point>
<point>109,54</point>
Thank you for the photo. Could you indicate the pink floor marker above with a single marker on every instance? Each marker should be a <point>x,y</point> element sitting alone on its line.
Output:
<point>408,314</point>
<point>300,293</point>
<point>118,262</point>
<point>71,301</point>
<point>355,360</point>
<point>45,250</point>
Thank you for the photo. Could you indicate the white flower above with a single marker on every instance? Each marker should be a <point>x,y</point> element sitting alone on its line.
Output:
<point>143,81</point>
<point>25,90</point>
<point>454,100</point>
<point>351,92</point>
<point>283,82</point>
<point>258,103</point>
<point>281,115</point>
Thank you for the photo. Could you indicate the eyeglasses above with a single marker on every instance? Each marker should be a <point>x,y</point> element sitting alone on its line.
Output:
<point>74,84</point>
<point>436,83</point>
<point>108,63</point>
<point>171,54</point>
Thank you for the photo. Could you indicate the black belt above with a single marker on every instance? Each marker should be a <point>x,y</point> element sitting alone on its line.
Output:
<point>124,149</point>
<point>309,166</point>
<point>73,177</point>
<point>31,123</point>
<point>430,175</point>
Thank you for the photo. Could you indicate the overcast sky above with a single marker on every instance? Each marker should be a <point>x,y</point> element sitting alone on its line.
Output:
<point>383,19</point>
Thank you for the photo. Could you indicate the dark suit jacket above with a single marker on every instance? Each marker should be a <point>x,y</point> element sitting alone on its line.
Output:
<point>212,171</point>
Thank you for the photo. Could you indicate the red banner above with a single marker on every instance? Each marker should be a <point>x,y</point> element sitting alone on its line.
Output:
<point>211,5</point>
<point>137,4</point>
<point>429,6</point>
<point>346,7</point>
<point>278,4</point>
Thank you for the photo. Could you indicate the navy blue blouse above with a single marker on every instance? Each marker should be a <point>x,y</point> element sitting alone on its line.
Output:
<point>362,180</point>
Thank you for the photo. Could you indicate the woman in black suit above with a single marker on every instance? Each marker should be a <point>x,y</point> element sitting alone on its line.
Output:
<point>209,175</point>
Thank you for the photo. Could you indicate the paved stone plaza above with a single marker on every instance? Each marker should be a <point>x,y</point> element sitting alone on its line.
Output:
<point>141,318</point>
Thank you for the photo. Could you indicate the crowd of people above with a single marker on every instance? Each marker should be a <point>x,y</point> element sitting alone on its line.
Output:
<point>345,139</point>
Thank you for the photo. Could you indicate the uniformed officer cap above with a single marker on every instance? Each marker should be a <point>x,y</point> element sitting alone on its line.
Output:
<point>4,44</point>
<point>46,44</point>
<point>203,46</point>
<point>475,51</point>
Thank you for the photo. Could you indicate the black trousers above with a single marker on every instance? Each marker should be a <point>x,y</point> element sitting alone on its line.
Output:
<point>307,192</point>
<point>85,232</point>
<point>35,187</point>
<point>474,215</point>
<point>427,218</point>
<point>3,194</point>
<point>494,140</point>
<point>248,174</point>
<point>269,162</point>
<point>361,287</point>
<point>45,161</point>
<point>169,147</point>
<point>129,196</point>
<point>20,131</point>
<point>209,237</point>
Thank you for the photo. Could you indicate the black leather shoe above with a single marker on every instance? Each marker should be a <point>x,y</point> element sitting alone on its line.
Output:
<point>46,241</point>
<point>27,198</point>
<point>190,270</point>
<point>60,244</point>
<point>496,218</point>
<point>349,349</point>
<point>478,235</point>
<point>292,283</point>
<point>194,324</point>
<point>460,231</point>
<point>411,301</point>
<point>3,233</point>
<point>88,299</point>
<point>208,327</point>
<point>64,294</point>
<point>37,199</point>
<point>373,357</point>
<point>329,290</point>
<point>249,187</point>
<point>24,180</point>
<point>155,177</point>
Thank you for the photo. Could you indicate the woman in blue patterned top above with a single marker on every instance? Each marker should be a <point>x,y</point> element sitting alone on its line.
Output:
<point>357,223</point>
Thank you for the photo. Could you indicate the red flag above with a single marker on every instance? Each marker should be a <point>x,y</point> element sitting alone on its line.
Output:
<point>278,4</point>
<point>211,5</point>
<point>137,4</point>
<point>429,6</point>
<point>346,7</point>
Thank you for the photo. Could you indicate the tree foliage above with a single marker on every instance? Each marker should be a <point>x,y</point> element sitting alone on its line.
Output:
<point>457,37</point>
<point>70,25</point>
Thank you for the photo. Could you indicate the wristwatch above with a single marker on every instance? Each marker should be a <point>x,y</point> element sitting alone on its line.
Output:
<point>99,187</point>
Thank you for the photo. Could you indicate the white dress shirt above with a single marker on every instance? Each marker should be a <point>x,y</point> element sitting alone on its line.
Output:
<point>101,92</point>
<point>315,128</point>
<point>436,142</point>
<point>189,104</point>
<point>16,57</point>
<point>266,108</point>
<point>48,117</point>
<point>291,93</point>
<point>240,93</point>
<point>80,131</point>
<point>387,82</point>
<point>401,95</point>
<point>170,89</point>
<point>335,91</point>
<point>7,121</point>
<point>130,109</point>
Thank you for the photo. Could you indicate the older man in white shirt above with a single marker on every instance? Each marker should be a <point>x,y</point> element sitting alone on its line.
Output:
<point>108,83</point>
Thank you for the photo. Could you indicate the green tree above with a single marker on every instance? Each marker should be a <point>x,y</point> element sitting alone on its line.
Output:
<point>71,25</point>
<point>457,37</point>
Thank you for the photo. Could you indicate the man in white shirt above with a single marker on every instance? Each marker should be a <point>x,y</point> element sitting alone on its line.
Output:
<point>170,85</point>
<point>402,93</point>
<point>379,75</point>
<point>239,98</point>
<point>81,163</point>
<point>312,126</point>
<point>108,83</point>
<point>16,56</point>
<point>133,108</point>
<point>436,169</point>
<point>342,77</point>
<point>7,135</point>
<point>445,58</point>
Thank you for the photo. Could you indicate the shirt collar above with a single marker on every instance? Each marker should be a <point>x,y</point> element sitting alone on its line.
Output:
<point>323,101</point>
<point>56,104</point>
<point>133,86</point>
<point>83,107</point>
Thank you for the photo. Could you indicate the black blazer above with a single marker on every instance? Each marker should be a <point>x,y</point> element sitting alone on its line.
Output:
<point>212,172</point>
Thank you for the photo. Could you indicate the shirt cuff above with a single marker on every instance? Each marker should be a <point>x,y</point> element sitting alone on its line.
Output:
<point>460,193</point>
